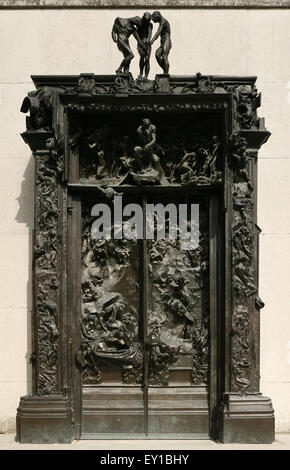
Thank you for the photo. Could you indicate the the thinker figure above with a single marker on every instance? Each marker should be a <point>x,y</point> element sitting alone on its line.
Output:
<point>145,32</point>
<point>145,155</point>
<point>165,41</point>
<point>122,30</point>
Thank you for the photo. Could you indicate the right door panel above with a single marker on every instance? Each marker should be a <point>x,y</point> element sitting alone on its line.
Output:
<point>177,342</point>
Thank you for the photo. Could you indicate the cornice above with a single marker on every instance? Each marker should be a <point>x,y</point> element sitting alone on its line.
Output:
<point>147,4</point>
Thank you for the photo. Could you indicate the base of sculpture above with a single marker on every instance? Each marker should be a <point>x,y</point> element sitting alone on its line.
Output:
<point>44,419</point>
<point>248,419</point>
<point>139,179</point>
<point>47,419</point>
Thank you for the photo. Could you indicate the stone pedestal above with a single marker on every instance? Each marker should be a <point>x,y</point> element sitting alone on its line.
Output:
<point>248,419</point>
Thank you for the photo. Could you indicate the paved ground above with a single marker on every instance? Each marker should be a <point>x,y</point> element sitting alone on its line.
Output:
<point>7,442</point>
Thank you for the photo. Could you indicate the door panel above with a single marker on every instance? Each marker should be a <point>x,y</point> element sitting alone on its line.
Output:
<point>112,410</point>
<point>178,321</point>
<point>112,351</point>
<point>144,352</point>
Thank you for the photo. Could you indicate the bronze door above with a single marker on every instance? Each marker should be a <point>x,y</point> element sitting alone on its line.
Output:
<point>145,329</point>
<point>122,344</point>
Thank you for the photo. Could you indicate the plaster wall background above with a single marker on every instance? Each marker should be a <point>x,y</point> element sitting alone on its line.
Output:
<point>233,42</point>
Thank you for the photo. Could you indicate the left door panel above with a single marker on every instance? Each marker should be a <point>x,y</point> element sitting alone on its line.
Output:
<point>111,349</point>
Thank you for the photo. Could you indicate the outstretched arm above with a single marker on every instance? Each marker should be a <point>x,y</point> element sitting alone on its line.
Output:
<point>136,36</point>
<point>150,29</point>
<point>158,32</point>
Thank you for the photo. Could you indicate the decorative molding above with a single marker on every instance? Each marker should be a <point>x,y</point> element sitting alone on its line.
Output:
<point>148,4</point>
<point>144,107</point>
<point>243,265</point>
<point>46,268</point>
<point>75,94</point>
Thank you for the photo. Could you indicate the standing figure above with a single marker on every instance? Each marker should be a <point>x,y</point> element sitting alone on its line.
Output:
<point>144,32</point>
<point>165,41</point>
<point>122,30</point>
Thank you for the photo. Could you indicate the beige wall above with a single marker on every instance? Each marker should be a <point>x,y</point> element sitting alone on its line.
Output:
<point>237,42</point>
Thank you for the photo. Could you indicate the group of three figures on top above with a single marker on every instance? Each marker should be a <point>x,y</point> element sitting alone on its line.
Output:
<point>141,29</point>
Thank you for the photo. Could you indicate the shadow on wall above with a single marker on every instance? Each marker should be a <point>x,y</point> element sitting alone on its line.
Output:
<point>25,215</point>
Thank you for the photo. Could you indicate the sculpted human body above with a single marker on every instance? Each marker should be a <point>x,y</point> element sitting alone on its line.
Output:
<point>145,32</point>
<point>164,32</point>
<point>123,28</point>
<point>147,138</point>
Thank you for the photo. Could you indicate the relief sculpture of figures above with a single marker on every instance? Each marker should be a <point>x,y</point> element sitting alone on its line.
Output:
<point>96,143</point>
<point>178,310</point>
<point>109,324</point>
<point>123,28</point>
<point>165,41</point>
<point>145,253</point>
<point>199,166</point>
<point>147,155</point>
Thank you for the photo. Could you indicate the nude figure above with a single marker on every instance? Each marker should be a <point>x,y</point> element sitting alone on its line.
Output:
<point>122,30</point>
<point>145,32</point>
<point>165,41</point>
<point>145,155</point>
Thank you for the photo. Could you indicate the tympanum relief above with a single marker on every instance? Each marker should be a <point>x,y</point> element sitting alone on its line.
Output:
<point>150,154</point>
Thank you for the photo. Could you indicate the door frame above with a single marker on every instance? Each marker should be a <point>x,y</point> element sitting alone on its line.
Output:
<point>239,412</point>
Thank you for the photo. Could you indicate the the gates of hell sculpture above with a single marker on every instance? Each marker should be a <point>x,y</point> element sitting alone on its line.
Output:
<point>145,337</point>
